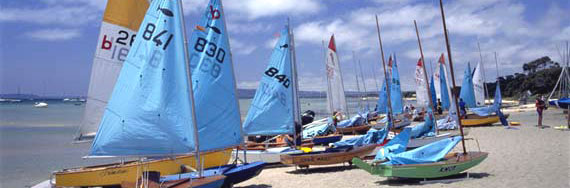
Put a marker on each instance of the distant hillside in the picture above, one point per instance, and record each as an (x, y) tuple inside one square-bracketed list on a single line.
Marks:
[(249, 93)]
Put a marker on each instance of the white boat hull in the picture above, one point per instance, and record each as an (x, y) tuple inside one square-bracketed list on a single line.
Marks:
[(271, 155)]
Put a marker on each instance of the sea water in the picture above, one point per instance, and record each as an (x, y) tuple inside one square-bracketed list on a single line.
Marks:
[(37, 141)]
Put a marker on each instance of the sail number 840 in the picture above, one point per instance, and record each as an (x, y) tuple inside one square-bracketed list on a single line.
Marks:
[(272, 72)]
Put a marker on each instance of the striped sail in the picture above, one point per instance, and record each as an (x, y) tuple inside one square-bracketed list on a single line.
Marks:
[(121, 20), (437, 81), (478, 85), (215, 93), (149, 112), (335, 94), (272, 110)]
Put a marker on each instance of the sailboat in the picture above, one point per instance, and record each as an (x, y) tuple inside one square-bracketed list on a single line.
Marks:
[(117, 23), (429, 161), (216, 100), (562, 84), (485, 115), (275, 108), (396, 101), (336, 99)]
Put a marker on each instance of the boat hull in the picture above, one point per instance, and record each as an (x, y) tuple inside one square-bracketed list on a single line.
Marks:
[(271, 155), (114, 174), (204, 182), (324, 140), (475, 120), (453, 164), (326, 158), (354, 130), (242, 172)]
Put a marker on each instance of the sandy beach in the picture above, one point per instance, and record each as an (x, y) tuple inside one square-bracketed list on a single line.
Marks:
[(522, 157)]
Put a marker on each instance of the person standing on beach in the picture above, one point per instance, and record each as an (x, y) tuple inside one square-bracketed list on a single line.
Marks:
[(439, 108), (540, 105), (462, 108)]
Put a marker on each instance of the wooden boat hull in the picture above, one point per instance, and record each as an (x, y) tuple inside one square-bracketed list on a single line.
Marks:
[(326, 158), (354, 130), (114, 174), (475, 120), (271, 155), (451, 165)]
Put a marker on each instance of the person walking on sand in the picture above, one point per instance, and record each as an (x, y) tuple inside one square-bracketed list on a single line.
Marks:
[(462, 108), (540, 105)]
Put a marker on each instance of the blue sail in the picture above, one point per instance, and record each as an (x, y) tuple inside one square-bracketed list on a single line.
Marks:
[(382, 100), (445, 103), (429, 153), (432, 91), (488, 110), (397, 145), (149, 110), (218, 117), (467, 93), (395, 90), (271, 111)]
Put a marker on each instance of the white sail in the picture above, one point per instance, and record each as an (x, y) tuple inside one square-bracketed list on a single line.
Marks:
[(121, 20), (437, 81), (421, 90), (478, 87), (335, 94)]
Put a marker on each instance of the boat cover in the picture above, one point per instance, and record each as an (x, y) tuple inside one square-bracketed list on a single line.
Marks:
[(373, 136), (358, 119), (319, 130), (397, 145), (447, 123), (430, 153)]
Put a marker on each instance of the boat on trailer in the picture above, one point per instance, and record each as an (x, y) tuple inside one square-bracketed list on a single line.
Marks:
[(327, 157), (453, 163)]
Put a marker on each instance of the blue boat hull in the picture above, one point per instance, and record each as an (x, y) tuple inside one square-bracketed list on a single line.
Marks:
[(561, 103), (243, 172), (326, 139), (234, 173)]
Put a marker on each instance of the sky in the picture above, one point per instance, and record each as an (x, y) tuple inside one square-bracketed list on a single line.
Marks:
[(47, 46)]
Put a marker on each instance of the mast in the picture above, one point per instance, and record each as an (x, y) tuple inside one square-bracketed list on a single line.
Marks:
[(483, 69), (363, 85), (373, 70), (357, 84), (452, 75), (426, 78), (243, 145), (296, 116), (190, 90), (390, 119)]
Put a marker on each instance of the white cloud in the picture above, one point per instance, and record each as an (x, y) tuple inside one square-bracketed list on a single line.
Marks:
[(54, 34), (254, 9), (54, 15), (241, 48), (248, 84), (271, 43)]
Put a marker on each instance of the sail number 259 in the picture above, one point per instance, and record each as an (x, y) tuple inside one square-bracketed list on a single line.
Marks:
[(272, 72)]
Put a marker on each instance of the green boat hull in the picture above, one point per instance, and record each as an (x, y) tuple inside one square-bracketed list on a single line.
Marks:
[(450, 166)]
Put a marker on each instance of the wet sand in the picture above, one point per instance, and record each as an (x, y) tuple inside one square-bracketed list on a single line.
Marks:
[(527, 157)]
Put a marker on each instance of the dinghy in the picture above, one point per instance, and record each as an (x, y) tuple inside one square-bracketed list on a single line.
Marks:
[(122, 18), (275, 108), (429, 161)]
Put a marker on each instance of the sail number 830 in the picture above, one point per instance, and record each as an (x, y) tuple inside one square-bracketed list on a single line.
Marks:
[(272, 72), (211, 49)]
